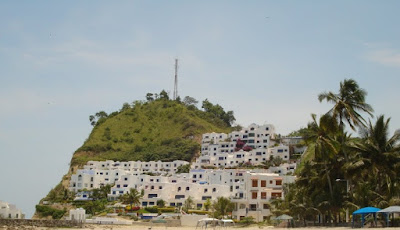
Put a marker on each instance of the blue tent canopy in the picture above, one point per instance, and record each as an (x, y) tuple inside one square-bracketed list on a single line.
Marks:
[(366, 210), (363, 212)]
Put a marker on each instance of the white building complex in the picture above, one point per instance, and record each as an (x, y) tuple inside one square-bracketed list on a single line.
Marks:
[(99, 173), (10, 211), (214, 174)]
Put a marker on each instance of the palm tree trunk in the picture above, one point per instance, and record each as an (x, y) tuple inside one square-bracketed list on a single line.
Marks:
[(329, 180)]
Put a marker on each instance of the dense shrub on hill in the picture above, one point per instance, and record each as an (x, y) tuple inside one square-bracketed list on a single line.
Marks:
[(158, 129)]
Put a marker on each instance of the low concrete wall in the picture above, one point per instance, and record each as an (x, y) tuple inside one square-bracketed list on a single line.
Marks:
[(39, 223), (170, 223)]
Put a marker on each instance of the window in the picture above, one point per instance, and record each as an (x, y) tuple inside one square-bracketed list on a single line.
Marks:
[(152, 196), (276, 195), (263, 195), (214, 190), (278, 182), (263, 183), (205, 190), (254, 183), (187, 188), (205, 197), (254, 195), (253, 207), (179, 196), (179, 189), (160, 187)]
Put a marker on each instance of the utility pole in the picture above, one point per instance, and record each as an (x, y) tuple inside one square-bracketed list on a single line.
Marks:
[(176, 80)]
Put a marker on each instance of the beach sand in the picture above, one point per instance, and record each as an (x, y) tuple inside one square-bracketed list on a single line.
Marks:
[(144, 227)]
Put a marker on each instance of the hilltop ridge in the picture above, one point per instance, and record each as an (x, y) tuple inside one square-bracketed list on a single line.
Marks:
[(159, 129)]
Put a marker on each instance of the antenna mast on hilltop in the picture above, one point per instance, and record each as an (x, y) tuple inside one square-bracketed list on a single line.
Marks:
[(176, 80)]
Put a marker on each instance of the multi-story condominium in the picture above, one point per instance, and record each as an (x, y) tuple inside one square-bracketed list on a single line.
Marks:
[(10, 211), (203, 184), (99, 173), (252, 145)]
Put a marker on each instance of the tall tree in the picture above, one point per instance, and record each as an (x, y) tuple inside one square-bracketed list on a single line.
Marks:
[(380, 155), (348, 103), (323, 147)]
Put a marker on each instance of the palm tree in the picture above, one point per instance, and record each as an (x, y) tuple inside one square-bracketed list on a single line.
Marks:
[(132, 197), (222, 206), (380, 155), (321, 142), (348, 104)]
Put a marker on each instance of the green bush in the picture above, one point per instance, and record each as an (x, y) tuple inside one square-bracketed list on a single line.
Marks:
[(153, 209), (169, 209), (199, 212), (44, 211), (247, 220)]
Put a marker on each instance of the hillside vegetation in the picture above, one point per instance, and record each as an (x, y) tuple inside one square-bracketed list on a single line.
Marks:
[(159, 129)]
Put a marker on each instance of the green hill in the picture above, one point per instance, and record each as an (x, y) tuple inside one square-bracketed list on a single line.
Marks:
[(157, 129), (160, 129)]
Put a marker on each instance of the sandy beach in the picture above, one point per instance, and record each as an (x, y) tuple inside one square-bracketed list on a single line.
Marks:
[(144, 227)]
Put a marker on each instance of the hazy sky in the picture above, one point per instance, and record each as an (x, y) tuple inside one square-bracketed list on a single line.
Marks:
[(266, 60)]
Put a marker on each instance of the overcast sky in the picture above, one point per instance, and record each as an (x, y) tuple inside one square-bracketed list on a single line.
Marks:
[(266, 60)]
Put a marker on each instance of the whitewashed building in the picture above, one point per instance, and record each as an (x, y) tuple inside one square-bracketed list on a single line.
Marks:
[(99, 173), (221, 150), (78, 214), (10, 211), (204, 184)]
